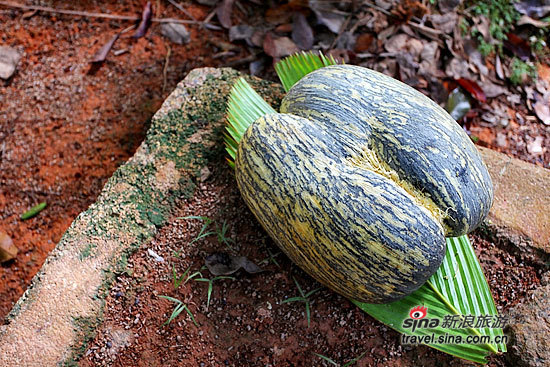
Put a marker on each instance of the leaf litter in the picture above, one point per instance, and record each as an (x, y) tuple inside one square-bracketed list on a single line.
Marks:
[(424, 45)]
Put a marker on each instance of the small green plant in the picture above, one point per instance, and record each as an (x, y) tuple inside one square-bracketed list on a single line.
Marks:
[(202, 233), (221, 233), (180, 306), (520, 71), (538, 40), (304, 297), (178, 279), (485, 48), (501, 15), (211, 285), (350, 363), (271, 258)]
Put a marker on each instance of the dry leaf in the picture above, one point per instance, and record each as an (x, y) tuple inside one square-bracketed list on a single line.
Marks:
[(279, 47), (302, 34), (363, 42), (240, 32), (498, 68), (533, 8), (223, 11), (518, 46), (222, 263), (327, 15), (445, 23), (448, 5), (542, 110), (8, 250), (429, 57), (175, 32), (102, 53), (384, 4), (535, 146), (9, 57), (475, 58), (528, 20), (396, 43), (482, 25), (493, 90), (473, 88), (145, 22)]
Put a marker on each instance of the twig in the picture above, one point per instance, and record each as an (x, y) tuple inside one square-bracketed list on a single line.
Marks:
[(377, 8), (341, 31), (241, 61), (93, 15), (165, 69), (128, 29), (182, 9), (210, 16), (206, 21)]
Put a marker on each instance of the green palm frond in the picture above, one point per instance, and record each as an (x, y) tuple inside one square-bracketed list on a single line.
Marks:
[(457, 288), (295, 67), (244, 107)]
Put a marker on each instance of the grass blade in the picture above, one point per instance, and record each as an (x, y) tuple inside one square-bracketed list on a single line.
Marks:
[(33, 211)]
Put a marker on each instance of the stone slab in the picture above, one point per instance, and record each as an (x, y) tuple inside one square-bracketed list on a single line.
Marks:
[(520, 210), (53, 321), (530, 329)]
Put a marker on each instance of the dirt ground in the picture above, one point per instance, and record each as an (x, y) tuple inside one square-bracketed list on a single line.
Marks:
[(63, 132), (245, 323)]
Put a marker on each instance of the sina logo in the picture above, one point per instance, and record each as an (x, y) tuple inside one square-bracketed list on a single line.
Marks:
[(417, 319), (418, 312)]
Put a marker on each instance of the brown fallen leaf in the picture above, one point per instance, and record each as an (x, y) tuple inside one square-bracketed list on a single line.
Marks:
[(535, 146), (363, 42), (240, 32), (9, 58), (176, 33), (445, 23), (302, 34), (534, 22), (542, 110), (145, 22), (8, 250), (518, 46), (221, 263), (448, 5), (533, 8), (279, 47), (473, 88), (223, 11), (498, 67), (102, 53), (327, 14), (492, 90)]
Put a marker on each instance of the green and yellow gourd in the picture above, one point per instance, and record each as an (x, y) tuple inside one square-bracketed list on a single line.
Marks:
[(359, 180)]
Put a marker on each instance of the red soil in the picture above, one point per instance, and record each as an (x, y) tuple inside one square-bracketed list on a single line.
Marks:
[(63, 131)]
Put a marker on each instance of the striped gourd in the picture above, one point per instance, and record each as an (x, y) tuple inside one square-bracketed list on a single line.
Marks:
[(359, 179)]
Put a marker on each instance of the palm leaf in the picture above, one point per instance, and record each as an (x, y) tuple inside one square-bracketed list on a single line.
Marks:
[(244, 107), (457, 288), (295, 67)]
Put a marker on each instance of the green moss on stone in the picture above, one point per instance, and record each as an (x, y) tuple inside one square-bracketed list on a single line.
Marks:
[(87, 250)]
